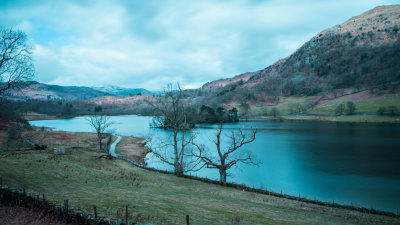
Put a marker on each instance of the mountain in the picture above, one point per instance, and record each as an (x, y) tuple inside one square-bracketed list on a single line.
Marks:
[(120, 91), (362, 53), (40, 91), (224, 82)]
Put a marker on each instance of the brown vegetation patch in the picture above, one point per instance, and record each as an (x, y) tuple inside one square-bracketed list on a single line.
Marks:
[(60, 135), (132, 147), (51, 139), (19, 215)]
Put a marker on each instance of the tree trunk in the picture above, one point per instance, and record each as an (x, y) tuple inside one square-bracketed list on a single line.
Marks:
[(222, 176), (178, 170), (100, 145)]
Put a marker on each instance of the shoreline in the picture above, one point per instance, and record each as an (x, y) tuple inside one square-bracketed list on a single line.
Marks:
[(233, 186), (246, 188), (90, 174), (71, 141), (33, 116), (395, 120), (141, 164), (359, 118), (127, 144), (140, 151)]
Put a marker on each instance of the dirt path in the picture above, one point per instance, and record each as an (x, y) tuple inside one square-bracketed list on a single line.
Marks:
[(113, 145)]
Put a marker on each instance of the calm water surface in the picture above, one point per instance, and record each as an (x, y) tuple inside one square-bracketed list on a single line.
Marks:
[(355, 164)]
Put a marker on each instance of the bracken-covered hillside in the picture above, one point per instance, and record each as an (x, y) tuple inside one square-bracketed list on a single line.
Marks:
[(361, 53)]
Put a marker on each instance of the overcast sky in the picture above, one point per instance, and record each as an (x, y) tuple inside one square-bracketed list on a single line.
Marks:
[(150, 43)]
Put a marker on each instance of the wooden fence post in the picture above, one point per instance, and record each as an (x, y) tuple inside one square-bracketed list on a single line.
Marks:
[(95, 212), (66, 206), (126, 215), (117, 215), (187, 220)]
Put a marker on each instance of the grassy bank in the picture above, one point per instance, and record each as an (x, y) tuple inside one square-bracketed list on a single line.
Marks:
[(344, 118), (31, 116), (71, 141), (365, 103), (86, 180)]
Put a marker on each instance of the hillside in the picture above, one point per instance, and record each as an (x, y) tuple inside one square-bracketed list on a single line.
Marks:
[(120, 91), (40, 91), (46, 92), (362, 53)]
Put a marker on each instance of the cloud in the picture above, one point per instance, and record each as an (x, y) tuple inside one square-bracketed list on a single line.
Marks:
[(149, 43)]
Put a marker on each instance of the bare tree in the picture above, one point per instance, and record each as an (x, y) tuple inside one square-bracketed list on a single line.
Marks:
[(224, 159), (101, 124), (15, 58), (173, 116)]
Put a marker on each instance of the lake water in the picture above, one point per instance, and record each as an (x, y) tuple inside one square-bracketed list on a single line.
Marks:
[(355, 164)]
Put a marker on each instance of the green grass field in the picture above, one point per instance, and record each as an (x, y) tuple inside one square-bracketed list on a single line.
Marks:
[(282, 107), (370, 105), (367, 103), (349, 118), (86, 180)]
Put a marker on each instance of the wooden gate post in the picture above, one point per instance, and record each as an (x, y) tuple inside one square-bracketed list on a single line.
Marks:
[(95, 212), (66, 206), (126, 215)]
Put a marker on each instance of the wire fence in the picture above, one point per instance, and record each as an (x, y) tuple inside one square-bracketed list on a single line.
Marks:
[(19, 197), (271, 193)]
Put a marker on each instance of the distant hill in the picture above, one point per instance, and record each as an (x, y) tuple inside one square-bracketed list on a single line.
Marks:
[(40, 91), (362, 53), (120, 91)]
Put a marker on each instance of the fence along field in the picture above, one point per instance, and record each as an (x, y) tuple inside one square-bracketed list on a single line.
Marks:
[(148, 192)]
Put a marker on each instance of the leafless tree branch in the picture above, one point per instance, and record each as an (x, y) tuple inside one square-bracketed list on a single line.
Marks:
[(15, 59), (172, 111), (101, 124), (224, 159)]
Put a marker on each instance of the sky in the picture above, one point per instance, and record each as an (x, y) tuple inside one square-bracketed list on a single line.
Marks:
[(147, 44)]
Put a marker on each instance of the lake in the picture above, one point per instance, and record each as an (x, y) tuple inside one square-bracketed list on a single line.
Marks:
[(356, 164)]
